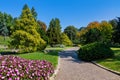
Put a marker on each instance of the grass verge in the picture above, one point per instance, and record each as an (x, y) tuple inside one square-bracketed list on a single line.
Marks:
[(112, 63)]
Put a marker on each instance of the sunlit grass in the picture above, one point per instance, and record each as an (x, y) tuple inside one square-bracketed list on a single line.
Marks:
[(112, 63), (51, 56)]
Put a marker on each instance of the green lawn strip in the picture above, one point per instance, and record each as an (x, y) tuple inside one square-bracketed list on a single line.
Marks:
[(57, 48), (112, 63)]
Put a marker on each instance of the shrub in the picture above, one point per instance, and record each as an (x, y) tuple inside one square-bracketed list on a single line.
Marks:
[(65, 40), (95, 51), (26, 42), (16, 68)]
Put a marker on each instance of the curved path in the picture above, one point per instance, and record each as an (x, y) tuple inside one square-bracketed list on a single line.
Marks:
[(71, 68)]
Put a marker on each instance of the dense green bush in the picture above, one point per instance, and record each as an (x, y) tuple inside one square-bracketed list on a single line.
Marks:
[(65, 40), (26, 42), (95, 51)]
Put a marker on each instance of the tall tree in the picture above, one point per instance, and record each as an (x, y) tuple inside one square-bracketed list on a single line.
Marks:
[(34, 13), (25, 36), (54, 32), (116, 30), (6, 22), (42, 30), (106, 31)]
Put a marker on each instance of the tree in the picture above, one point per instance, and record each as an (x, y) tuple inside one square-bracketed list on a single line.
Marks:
[(94, 24), (81, 28), (65, 40), (95, 31), (42, 25), (6, 22), (116, 30), (34, 13), (54, 32), (25, 36), (71, 32), (106, 31), (42, 30), (92, 35)]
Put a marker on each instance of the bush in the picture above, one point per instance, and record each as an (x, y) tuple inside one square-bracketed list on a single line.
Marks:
[(95, 51), (65, 40), (26, 42), (16, 68)]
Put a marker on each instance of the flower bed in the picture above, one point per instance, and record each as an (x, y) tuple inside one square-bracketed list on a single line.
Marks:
[(16, 68)]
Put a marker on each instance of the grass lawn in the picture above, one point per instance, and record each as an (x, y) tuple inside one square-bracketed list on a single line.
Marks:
[(4, 42), (112, 63)]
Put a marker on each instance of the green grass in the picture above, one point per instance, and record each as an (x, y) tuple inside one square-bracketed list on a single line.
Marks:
[(4, 42), (51, 56), (112, 63)]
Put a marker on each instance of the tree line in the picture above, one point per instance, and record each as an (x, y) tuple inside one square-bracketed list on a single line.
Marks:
[(105, 31), (31, 34), (28, 34)]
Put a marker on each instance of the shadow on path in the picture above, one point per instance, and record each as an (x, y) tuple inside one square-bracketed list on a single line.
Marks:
[(70, 55)]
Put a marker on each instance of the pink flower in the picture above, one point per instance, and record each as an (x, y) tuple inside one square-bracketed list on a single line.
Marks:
[(10, 79)]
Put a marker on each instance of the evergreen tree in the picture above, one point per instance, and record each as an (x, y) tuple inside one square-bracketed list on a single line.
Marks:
[(116, 30), (34, 13), (25, 36), (54, 32), (6, 22)]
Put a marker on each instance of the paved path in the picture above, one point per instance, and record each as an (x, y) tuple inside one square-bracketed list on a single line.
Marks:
[(71, 68)]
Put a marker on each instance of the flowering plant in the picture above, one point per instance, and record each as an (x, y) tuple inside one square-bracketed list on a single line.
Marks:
[(16, 68)]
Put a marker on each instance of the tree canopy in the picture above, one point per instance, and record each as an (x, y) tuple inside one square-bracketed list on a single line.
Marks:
[(54, 32), (71, 32), (96, 31)]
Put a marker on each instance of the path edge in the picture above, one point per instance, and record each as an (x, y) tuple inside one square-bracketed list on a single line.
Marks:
[(57, 68), (115, 72)]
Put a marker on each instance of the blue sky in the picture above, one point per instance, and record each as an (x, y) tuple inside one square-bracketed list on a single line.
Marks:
[(70, 12)]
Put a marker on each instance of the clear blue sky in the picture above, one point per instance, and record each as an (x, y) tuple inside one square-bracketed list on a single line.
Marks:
[(70, 12)]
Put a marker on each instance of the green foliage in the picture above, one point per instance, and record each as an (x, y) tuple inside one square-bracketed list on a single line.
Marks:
[(4, 40), (25, 36), (95, 31), (106, 31), (92, 35), (95, 51), (6, 22), (65, 40), (71, 32), (42, 30), (34, 13), (54, 32), (116, 30)]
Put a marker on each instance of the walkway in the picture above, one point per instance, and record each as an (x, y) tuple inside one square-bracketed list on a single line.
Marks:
[(71, 68)]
